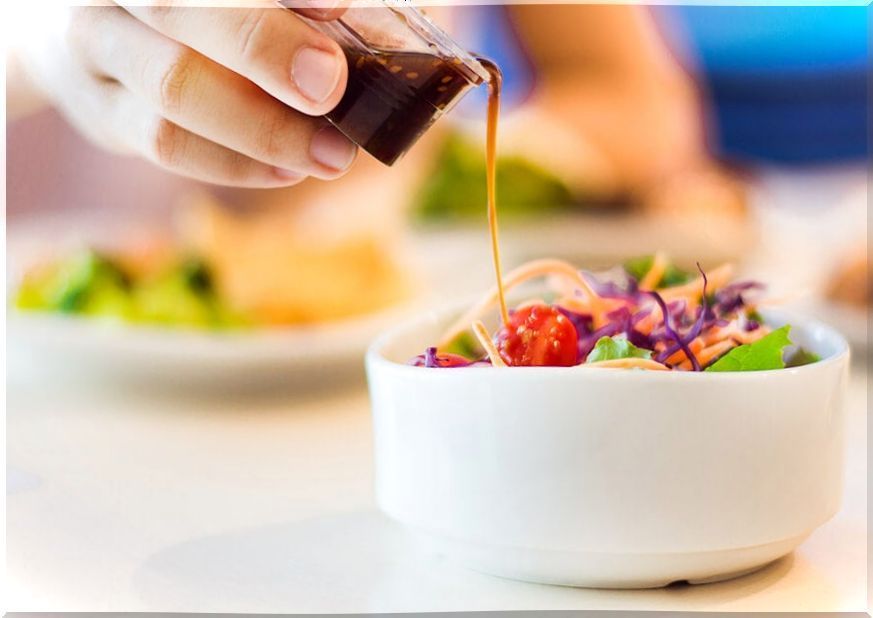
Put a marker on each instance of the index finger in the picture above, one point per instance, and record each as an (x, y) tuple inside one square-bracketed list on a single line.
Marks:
[(272, 47)]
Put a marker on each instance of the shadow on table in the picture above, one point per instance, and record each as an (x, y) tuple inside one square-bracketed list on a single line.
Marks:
[(362, 562)]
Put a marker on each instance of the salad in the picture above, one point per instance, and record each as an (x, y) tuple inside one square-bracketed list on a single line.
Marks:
[(646, 315), (455, 188), (221, 270), (95, 284)]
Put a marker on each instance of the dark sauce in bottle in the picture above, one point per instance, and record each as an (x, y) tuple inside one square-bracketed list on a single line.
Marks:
[(392, 98)]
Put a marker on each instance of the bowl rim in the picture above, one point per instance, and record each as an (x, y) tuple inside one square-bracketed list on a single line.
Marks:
[(375, 357)]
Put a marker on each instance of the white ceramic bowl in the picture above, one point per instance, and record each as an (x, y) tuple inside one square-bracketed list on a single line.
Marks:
[(608, 477)]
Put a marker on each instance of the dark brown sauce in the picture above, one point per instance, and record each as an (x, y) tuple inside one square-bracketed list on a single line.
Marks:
[(391, 99)]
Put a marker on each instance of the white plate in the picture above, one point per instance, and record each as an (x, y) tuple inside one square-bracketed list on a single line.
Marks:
[(115, 352), (123, 354)]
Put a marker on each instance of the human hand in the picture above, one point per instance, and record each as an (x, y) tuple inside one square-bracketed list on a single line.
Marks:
[(226, 95)]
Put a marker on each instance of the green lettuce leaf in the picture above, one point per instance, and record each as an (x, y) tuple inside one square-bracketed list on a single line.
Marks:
[(82, 283), (612, 348), (464, 345), (764, 354)]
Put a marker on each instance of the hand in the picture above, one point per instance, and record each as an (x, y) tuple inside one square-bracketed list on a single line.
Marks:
[(225, 95)]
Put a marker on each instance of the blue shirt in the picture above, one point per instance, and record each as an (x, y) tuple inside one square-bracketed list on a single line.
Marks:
[(782, 84)]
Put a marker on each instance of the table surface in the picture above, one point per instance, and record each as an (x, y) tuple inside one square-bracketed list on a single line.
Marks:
[(118, 500)]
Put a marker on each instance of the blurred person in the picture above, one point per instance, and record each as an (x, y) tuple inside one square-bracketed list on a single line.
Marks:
[(607, 72)]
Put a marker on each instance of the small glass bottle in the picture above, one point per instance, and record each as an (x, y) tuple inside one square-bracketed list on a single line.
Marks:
[(404, 73)]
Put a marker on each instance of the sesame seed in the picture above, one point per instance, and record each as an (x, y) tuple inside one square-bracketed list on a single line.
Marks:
[(412, 75), (396, 68), (447, 79)]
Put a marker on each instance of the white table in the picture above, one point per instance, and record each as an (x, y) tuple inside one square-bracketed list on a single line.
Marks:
[(118, 501)]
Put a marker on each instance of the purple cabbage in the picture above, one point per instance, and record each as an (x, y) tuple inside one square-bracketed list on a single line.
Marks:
[(580, 321), (431, 360), (730, 298), (695, 330), (611, 289), (621, 321), (430, 357)]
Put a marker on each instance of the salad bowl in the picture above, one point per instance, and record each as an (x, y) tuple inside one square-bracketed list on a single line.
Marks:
[(610, 478)]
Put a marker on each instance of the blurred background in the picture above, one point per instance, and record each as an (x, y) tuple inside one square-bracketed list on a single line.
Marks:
[(138, 479), (714, 133)]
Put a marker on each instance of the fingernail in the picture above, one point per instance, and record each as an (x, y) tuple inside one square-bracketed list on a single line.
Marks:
[(316, 73), (287, 175), (332, 149)]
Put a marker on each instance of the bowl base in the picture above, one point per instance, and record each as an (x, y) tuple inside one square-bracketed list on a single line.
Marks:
[(607, 570)]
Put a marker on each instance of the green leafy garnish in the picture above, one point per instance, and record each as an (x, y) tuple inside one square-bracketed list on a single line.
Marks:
[(752, 314), (764, 354), (86, 282), (90, 284), (464, 345), (197, 276), (612, 348), (182, 296), (638, 267)]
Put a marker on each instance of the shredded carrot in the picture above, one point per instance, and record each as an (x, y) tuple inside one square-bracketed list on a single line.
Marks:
[(597, 311), (574, 304), (695, 346), (693, 290), (656, 272), (647, 324), (720, 333), (525, 272), (751, 336), (708, 354), (485, 341)]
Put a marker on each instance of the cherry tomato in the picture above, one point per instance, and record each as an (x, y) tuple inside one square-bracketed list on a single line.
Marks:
[(538, 335)]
